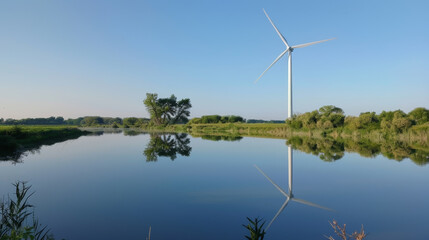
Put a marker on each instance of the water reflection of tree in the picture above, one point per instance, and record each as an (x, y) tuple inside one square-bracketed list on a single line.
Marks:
[(329, 149), (167, 145)]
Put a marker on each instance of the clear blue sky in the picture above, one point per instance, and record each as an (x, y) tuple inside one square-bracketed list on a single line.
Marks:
[(77, 58)]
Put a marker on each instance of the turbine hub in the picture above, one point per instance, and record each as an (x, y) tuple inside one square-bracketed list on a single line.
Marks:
[(290, 49)]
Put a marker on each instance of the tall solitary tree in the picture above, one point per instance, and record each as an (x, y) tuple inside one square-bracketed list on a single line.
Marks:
[(167, 110)]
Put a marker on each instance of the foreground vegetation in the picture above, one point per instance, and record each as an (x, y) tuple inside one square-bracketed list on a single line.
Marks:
[(14, 140), (17, 220)]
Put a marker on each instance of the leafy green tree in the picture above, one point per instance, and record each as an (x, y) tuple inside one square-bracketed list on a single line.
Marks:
[(167, 110), (401, 124), (364, 121), (336, 119), (154, 109), (233, 119), (419, 115), (131, 121), (210, 119), (92, 121), (182, 111), (329, 109)]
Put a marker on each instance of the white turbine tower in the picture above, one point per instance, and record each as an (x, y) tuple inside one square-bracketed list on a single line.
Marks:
[(288, 50), (289, 196)]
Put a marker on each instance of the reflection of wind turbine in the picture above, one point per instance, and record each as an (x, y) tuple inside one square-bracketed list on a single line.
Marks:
[(289, 196), (288, 50)]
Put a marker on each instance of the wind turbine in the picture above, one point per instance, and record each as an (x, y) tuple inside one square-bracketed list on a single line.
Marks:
[(289, 196), (289, 50)]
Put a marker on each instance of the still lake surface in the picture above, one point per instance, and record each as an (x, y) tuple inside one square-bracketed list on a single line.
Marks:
[(114, 186)]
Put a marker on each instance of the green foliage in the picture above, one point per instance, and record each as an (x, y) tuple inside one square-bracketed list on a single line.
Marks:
[(330, 117), (295, 124), (256, 232), (217, 119), (131, 121), (329, 109), (167, 145), (210, 119), (329, 149), (92, 121), (34, 121), (195, 121), (14, 140), (15, 213), (401, 124), (233, 119), (419, 115), (337, 120), (182, 111), (230, 138), (8, 145), (263, 121), (368, 120), (165, 111)]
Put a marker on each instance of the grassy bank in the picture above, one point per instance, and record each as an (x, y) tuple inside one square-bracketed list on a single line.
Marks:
[(16, 139)]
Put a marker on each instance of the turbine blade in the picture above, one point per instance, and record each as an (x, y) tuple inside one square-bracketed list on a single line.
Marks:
[(278, 32), (310, 204), (278, 58), (278, 213), (269, 179), (311, 43)]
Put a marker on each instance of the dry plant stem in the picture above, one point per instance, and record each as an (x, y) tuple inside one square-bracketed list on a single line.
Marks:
[(341, 232)]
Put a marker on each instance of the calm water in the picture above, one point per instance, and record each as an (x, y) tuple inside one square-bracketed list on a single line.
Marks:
[(115, 186)]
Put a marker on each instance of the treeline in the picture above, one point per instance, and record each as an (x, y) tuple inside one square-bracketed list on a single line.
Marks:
[(329, 117), (264, 121), (89, 121), (217, 119), (35, 121)]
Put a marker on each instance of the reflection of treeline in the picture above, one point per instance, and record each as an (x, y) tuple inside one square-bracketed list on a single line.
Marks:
[(167, 145), (330, 117), (330, 149), (216, 119), (230, 138), (15, 140), (89, 121)]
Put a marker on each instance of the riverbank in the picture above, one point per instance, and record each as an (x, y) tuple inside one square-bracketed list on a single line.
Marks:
[(415, 135), (329, 145), (14, 140)]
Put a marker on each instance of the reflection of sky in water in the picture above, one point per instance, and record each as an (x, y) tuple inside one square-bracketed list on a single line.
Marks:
[(103, 188)]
